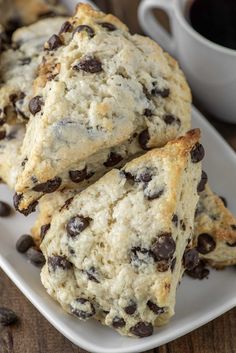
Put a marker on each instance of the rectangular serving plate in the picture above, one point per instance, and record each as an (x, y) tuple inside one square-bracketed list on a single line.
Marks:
[(197, 302)]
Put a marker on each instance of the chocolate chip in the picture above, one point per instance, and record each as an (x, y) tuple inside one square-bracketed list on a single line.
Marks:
[(182, 225), (5, 209), (143, 139), (164, 93), (82, 308), (223, 199), (77, 224), (109, 26), (131, 308), (233, 226), (175, 220), (171, 119), (155, 195), (202, 183), (35, 256), (92, 274), (127, 175), (139, 255), (26, 211), (113, 159), (89, 64), (54, 42), (43, 230), (35, 105), (118, 322), (190, 259), (155, 308), (164, 247), (198, 272), (205, 243), (232, 245), (173, 263), (24, 243), (25, 61), (66, 27), (48, 187), (7, 317), (142, 329), (197, 153), (78, 175), (147, 112), (85, 28), (55, 262), (145, 177)]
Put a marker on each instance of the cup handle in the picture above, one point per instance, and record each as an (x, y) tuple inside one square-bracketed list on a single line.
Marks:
[(151, 25)]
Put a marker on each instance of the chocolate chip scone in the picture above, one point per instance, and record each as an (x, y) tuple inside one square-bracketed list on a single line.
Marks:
[(99, 87), (11, 139), (18, 13), (115, 251), (215, 231), (19, 66)]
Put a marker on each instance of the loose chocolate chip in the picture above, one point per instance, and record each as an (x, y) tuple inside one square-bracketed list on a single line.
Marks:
[(232, 245), (155, 195), (35, 256), (198, 272), (164, 247), (26, 211), (89, 64), (190, 259), (54, 42), (147, 112), (197, 153), (173, 263), (48, 187), (202, 183), (55, 262), (155, 308), (131, 308), (25, 61), (5, 209), (77, 224), (143, 139), (223, 199), (118, 322), (205, 243), (92, 274), (43, 230), (142, 329), (164, 93), (7, 317), (35, 105), (171, 119), (233, 226), (78, 175), (82, 308), (113, 159), (85, 28), (66, 27), (24, 243), (109, 26), (175, 219)]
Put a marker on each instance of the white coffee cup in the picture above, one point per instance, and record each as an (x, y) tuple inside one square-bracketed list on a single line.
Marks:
[(209, 67)]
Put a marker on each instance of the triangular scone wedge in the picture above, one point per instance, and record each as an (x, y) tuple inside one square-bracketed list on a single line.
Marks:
[(215, 230), (115, 251), (100, 90), (10, 159), (19, 67)]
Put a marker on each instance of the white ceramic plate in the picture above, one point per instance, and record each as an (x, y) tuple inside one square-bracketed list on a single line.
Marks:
[(197, 301)]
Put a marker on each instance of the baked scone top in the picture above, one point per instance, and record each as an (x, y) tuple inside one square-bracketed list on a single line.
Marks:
[(98, 86), (115, 250)]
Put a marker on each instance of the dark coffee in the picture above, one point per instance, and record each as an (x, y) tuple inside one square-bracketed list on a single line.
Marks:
[(215, 20)]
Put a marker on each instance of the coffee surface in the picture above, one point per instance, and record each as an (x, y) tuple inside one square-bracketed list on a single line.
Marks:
[(215, 20)]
